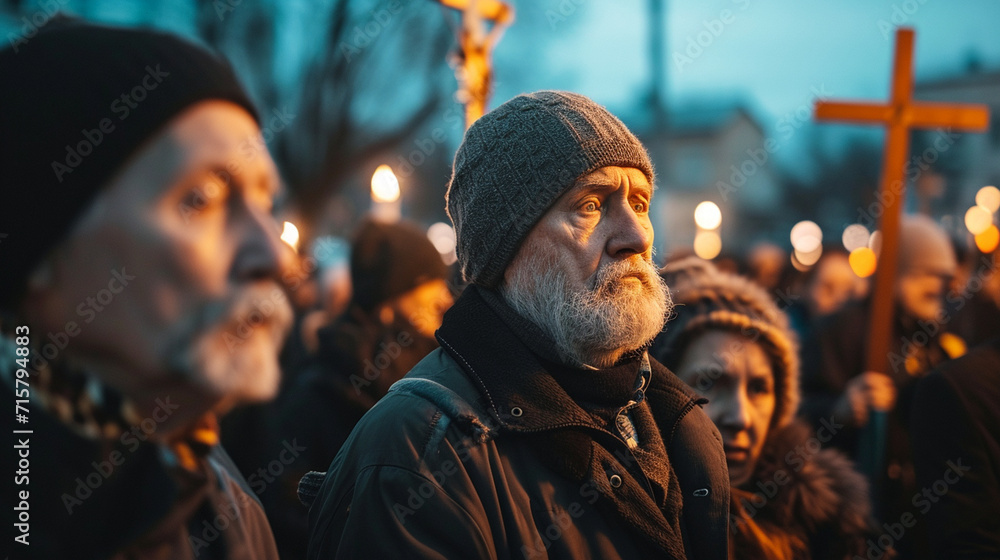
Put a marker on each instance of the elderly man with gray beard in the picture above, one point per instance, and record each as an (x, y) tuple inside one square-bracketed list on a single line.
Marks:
[(540, 428)]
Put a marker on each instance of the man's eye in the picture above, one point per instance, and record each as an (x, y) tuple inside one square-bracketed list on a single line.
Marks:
[(590, 206), (205, 195), (640, 207)]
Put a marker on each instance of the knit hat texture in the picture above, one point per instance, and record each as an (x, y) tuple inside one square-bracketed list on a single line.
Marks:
[(707, 299), (388, 260), (78, 100), (516, 160)]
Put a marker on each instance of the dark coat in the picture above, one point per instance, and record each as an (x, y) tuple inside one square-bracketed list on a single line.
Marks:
[(357, 362), (956, 439), (119, 499), (480, 453)]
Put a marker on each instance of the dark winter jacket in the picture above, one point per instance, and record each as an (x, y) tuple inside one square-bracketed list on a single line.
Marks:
[(480, 453), (809, 502), (357, 363), (837, 355), (92, 499), (956, 443)]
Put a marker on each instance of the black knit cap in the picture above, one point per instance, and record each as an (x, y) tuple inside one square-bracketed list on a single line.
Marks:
[(390, 259), (76, 101)]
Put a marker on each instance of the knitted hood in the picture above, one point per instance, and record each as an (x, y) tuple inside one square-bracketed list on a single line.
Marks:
[(706, 298)]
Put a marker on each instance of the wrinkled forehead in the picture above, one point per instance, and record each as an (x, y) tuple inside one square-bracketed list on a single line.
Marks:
[(212, 137)]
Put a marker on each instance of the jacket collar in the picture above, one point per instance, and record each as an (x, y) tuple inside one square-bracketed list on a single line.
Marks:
[(478, 332), (517, 390)]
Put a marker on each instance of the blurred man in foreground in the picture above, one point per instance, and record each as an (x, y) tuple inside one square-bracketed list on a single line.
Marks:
[(540, 428), (140, 280)]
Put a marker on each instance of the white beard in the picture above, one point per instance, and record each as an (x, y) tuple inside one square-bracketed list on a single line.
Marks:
[(591, 325)]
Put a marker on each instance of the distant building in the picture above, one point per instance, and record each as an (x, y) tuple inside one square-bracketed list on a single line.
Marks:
[(714, 151), (971, 161)]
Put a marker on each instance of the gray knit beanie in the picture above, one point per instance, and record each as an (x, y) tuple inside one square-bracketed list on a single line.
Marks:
[(516, 160), (705, 299)]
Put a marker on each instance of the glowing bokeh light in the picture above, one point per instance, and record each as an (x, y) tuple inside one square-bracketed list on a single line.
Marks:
[(290, 235), (442, 236), (978, 219), (988, 240), (806, 236), (707, 245), (385, 186), (855, 236), (989, 198), (707, 215), (863, 262), (875, 242), (809, 258)]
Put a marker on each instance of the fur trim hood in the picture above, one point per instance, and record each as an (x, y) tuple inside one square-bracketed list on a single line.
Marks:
[(811, 498), (706, 299)]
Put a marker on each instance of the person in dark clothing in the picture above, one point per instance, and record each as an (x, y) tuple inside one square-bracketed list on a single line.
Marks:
[(838, 390), (956, 446), (730, 342), (400, 297), (141, 295), (828, 286), (541, 428), (975, 304)]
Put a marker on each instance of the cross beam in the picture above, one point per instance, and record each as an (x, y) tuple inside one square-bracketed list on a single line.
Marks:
[(899, 116)]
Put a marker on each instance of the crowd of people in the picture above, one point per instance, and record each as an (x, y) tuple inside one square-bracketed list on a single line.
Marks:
[(554, 395)]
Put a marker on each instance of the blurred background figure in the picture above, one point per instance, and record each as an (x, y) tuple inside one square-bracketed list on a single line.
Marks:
[(836, 388), (400, 294), (824, 290), (956, 443), (976, 301), (334, 282), (766, 264), (732, 344)]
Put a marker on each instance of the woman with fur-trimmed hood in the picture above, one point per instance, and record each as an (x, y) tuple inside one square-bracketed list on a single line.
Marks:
[(790, 498)]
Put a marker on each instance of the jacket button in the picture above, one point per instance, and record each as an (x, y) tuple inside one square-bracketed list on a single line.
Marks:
[(701, 492), (615, 480), (516, 411)]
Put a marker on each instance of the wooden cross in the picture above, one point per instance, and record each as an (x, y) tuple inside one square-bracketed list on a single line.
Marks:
[(475, 75), (899, 115)]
